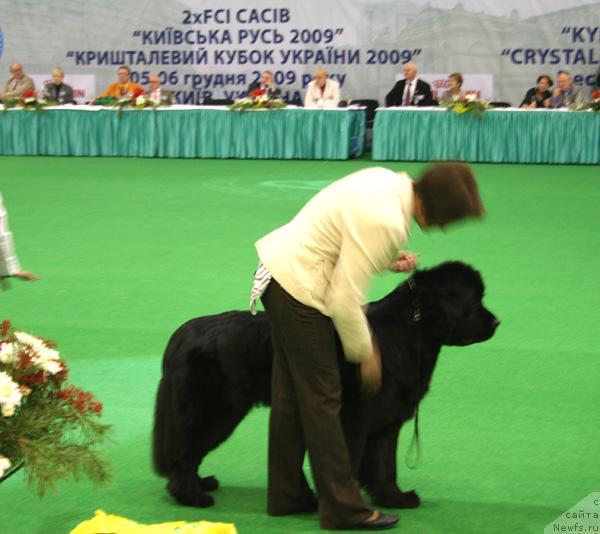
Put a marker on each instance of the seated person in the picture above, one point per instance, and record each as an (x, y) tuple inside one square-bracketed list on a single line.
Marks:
[(265, 83), (538, 96), (455, 81), (410, 91), (566, 93), (57, 91), (124, 87), (17, 84), (157, 93), (322, 92)]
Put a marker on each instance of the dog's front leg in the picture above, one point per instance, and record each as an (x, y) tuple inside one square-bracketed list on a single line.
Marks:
[(378, 470)]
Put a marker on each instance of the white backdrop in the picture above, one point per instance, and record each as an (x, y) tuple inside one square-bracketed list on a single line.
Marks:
[(216, 48)]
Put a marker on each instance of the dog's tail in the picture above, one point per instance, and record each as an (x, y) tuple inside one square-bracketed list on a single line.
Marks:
[(190, 382), (165, 434)]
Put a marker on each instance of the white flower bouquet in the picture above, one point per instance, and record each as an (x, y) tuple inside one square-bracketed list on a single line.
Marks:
[(47, 427)]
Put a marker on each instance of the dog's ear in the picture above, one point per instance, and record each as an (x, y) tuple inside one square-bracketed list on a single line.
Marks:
[(439, 293), (439, 311), (449, 281)]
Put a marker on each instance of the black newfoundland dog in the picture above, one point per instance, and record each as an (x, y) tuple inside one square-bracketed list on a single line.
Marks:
[(216, 368)]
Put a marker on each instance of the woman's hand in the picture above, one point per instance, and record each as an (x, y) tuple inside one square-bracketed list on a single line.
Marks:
[(404, 262), (26, 275)]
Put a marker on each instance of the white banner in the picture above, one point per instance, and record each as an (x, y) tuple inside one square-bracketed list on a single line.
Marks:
[(216, 48)]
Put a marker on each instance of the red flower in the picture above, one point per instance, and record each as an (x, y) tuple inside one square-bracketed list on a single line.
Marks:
[(138, 91), (61, 376), (596, 94), (28, 94), (35, 378), (82, 400), (257, 92), (25, 359), (5, 327)]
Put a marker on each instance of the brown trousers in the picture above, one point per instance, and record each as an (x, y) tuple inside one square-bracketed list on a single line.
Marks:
[(306, 403)]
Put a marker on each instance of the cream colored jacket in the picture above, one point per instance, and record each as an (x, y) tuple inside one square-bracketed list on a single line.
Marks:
[(328, 254), (330, 98)]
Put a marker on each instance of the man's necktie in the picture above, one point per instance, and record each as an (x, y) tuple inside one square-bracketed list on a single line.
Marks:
[(407, 95)]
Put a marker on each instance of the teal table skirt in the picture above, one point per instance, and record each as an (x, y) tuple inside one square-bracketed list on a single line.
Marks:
[(280, 134), (195, 132), (501, 136), (19, 132)]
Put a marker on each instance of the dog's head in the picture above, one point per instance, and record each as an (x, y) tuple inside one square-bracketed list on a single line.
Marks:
[(451, 300)]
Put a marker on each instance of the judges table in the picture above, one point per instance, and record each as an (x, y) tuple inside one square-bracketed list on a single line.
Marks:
[(502, 135), (184, 132)]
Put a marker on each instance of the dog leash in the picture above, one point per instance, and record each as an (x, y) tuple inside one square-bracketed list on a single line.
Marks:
[(413, 454)]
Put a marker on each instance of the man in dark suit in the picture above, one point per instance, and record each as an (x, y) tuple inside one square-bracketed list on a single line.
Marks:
[(57, 91), (266, 84), (411, 91)]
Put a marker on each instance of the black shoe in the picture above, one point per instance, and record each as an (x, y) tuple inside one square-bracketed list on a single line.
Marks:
[(381, 523)]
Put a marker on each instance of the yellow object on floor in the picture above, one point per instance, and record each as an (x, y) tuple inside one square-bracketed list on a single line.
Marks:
[(103, 523)]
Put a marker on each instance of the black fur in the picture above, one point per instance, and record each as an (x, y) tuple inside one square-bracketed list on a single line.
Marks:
[(216, 368)]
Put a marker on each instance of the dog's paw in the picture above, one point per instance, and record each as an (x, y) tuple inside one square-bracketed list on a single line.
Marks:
[(395, 498), (209, 483), (189, 494), (410, 499)]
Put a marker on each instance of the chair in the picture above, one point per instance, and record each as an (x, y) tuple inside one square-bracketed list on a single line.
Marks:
[(501, 104), (217, 102), (371, 106)]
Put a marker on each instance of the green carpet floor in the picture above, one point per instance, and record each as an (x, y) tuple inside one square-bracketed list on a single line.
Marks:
[(128, 249)]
